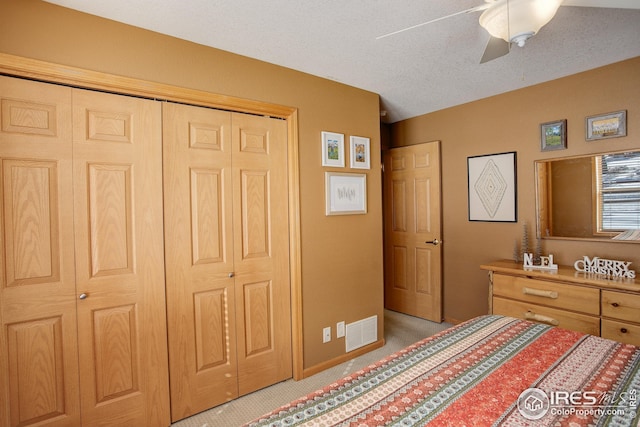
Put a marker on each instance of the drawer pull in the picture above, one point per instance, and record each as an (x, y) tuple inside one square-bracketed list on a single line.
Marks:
[(624, 330), (529, 315), (540, 293), (615, 304)]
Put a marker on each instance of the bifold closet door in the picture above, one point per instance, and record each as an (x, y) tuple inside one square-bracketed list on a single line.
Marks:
[(82, 306), (38, 344), (226, 239), (199, 258), (117, 152), (261, 251)]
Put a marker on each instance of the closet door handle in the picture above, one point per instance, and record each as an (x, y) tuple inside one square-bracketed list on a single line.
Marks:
[(540, 293), (83, 296)]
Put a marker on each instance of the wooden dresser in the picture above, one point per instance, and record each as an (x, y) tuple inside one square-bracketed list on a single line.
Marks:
[(568, 299)]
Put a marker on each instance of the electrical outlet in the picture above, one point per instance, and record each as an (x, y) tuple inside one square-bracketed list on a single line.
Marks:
[(326, 334), (340, 330)]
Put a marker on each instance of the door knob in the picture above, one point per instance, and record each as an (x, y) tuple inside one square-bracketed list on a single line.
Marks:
[(230, 274), (83, 296), (434, 242)]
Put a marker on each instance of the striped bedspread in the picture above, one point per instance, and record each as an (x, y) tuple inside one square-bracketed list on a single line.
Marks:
[(491, 370)]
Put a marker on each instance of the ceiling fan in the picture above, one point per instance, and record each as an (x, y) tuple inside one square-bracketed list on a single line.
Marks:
[(515, 21)]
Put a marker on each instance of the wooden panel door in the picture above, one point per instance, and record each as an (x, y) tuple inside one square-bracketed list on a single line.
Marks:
[(199, 258), (261, 248), (227, 263), (117, 170), (38, 345), (413, 249)]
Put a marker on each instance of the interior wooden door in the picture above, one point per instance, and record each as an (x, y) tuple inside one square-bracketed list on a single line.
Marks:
[(117, 189), (38, 345), (199, 258), (227, 262), (413, 243), (261, 251)]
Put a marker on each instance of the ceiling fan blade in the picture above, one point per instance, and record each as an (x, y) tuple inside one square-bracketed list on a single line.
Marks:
[(614, 4), (496, 48), (473, 9)]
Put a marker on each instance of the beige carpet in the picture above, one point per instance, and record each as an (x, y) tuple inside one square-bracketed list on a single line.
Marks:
[(400, 331)]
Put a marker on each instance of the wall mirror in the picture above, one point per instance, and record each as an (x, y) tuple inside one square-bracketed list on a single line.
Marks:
[(593, 197)]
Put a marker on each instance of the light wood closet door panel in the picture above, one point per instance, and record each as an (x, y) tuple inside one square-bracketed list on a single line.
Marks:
[(199, 258), (261, 233), (38, 345), (226, 239), (119, 259)]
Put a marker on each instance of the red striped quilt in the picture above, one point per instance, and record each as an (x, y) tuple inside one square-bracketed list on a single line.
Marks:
[(489, 371)]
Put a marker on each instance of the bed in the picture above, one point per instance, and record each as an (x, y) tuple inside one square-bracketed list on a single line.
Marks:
[(491, 370)]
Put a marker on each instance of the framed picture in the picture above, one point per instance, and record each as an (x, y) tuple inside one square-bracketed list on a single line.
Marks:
[(553, 135), (360, 153), (610, 125), (332, 149), (492, 187), (345, 193)]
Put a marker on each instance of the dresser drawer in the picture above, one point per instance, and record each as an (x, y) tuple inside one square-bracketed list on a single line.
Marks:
[(560, 295), (620, 331), (547, 315), (621, 305)]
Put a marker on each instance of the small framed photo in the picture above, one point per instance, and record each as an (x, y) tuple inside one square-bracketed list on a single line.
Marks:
[(332, 149), (493, 187), (360, 153), (553, 135), (610, 125), (345, 193)]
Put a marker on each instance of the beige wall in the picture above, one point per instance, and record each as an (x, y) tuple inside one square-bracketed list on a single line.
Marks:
[(511, 122), (341, 255)]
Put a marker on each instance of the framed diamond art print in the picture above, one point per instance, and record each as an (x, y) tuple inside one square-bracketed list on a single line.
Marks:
[(492, 187)]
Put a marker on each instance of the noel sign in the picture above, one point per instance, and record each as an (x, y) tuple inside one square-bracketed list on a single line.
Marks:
[(546, 262), (607, 267)]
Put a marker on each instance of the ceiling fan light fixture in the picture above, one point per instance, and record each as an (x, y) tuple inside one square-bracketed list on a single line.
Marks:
[(520, 39), (516, 20)]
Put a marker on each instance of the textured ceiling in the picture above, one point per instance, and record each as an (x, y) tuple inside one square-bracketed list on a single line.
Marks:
[(415, 72)]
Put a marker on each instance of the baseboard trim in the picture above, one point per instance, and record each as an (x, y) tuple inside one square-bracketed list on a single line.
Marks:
[(307, 372), (452, 320)]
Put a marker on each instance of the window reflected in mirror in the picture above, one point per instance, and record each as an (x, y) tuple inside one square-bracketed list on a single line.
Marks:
[(617, 186)]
